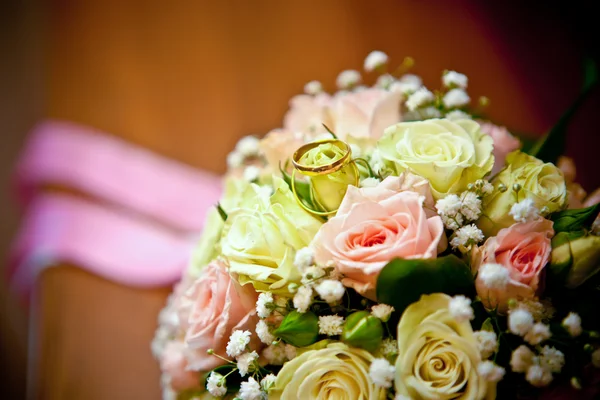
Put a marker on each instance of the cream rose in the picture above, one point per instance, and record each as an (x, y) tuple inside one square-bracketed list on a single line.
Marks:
[(210, 310), (375, 225), (363, 114), (450, 154), (437, 355), (334, 372), (524, 250), (541, 182), (260, 238)]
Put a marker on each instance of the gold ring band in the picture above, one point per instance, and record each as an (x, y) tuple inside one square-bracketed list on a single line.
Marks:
[(322, 169)]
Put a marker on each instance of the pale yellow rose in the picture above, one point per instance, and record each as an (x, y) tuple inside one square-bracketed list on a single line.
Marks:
[(450, 154), (334, 372), (541, 182), (261, 237), (437, 355), (207, 248)]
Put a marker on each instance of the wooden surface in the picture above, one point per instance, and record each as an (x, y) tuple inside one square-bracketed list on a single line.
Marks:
[(188, 78)]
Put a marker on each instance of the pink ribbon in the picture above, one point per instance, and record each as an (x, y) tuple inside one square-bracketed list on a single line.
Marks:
[(142, 235), (115, 171)]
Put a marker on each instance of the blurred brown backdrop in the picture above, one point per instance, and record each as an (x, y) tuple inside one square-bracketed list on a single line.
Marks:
[(187, 78)]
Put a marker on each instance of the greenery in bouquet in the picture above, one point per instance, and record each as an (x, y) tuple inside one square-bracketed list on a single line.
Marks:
[(389, 243)]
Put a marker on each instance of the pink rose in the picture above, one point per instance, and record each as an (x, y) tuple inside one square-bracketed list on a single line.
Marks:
[(524, 249), (174, 364), (375, 225), (365, 114), (210, 310), (504, 143), (307, 114), (279, 146), (362, 114)]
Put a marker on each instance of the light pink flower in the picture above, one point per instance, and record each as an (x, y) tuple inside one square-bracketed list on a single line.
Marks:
[(174, 364), (504, 143), (363, 114), (375, 225), (279, 146), (524, 250), (213, 307)]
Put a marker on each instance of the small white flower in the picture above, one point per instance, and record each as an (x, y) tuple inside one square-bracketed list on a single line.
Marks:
[(369, 182), (419, 98), (460, 308), (330, 325), (347, 79), (251, 173), (538, 333), (429, 112), (466, 236), (539, 311), (267, 382), (245, 363), (389, 347), (572, 323), (487, 342), (470, 206), (520, 322), (274, 354), (552, 359), (382, 373), (382, 311), (457, 114), (538, 376), (484, 186), (374, 60), (235, 159), (355, 150), (524, 211), (453, 223), (305, 257), (216, 384), (456, 98), (377, 162), (313, 87), (312, 274), (408, 83), (250, 390), (490, 371), (248, 146), (360, 88), (384, 81), (402, 397), (596, 358), (237, 343), (331, 291), (263, 304), (449, 205), (303, 299), (494, 276), (263, 333), (521, 359), (455, 79)]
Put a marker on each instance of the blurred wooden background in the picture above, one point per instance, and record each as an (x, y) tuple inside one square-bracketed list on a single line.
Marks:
[(187, 79)]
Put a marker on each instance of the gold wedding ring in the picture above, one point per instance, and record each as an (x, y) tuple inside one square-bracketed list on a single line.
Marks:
[(345, 160)]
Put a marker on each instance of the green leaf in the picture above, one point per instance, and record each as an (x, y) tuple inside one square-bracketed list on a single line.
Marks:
[(551, 146), (487, 325), (222, 212), (402, 282), (575, 220)]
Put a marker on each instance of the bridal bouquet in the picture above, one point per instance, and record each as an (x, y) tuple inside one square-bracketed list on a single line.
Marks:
[(389, 243)]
